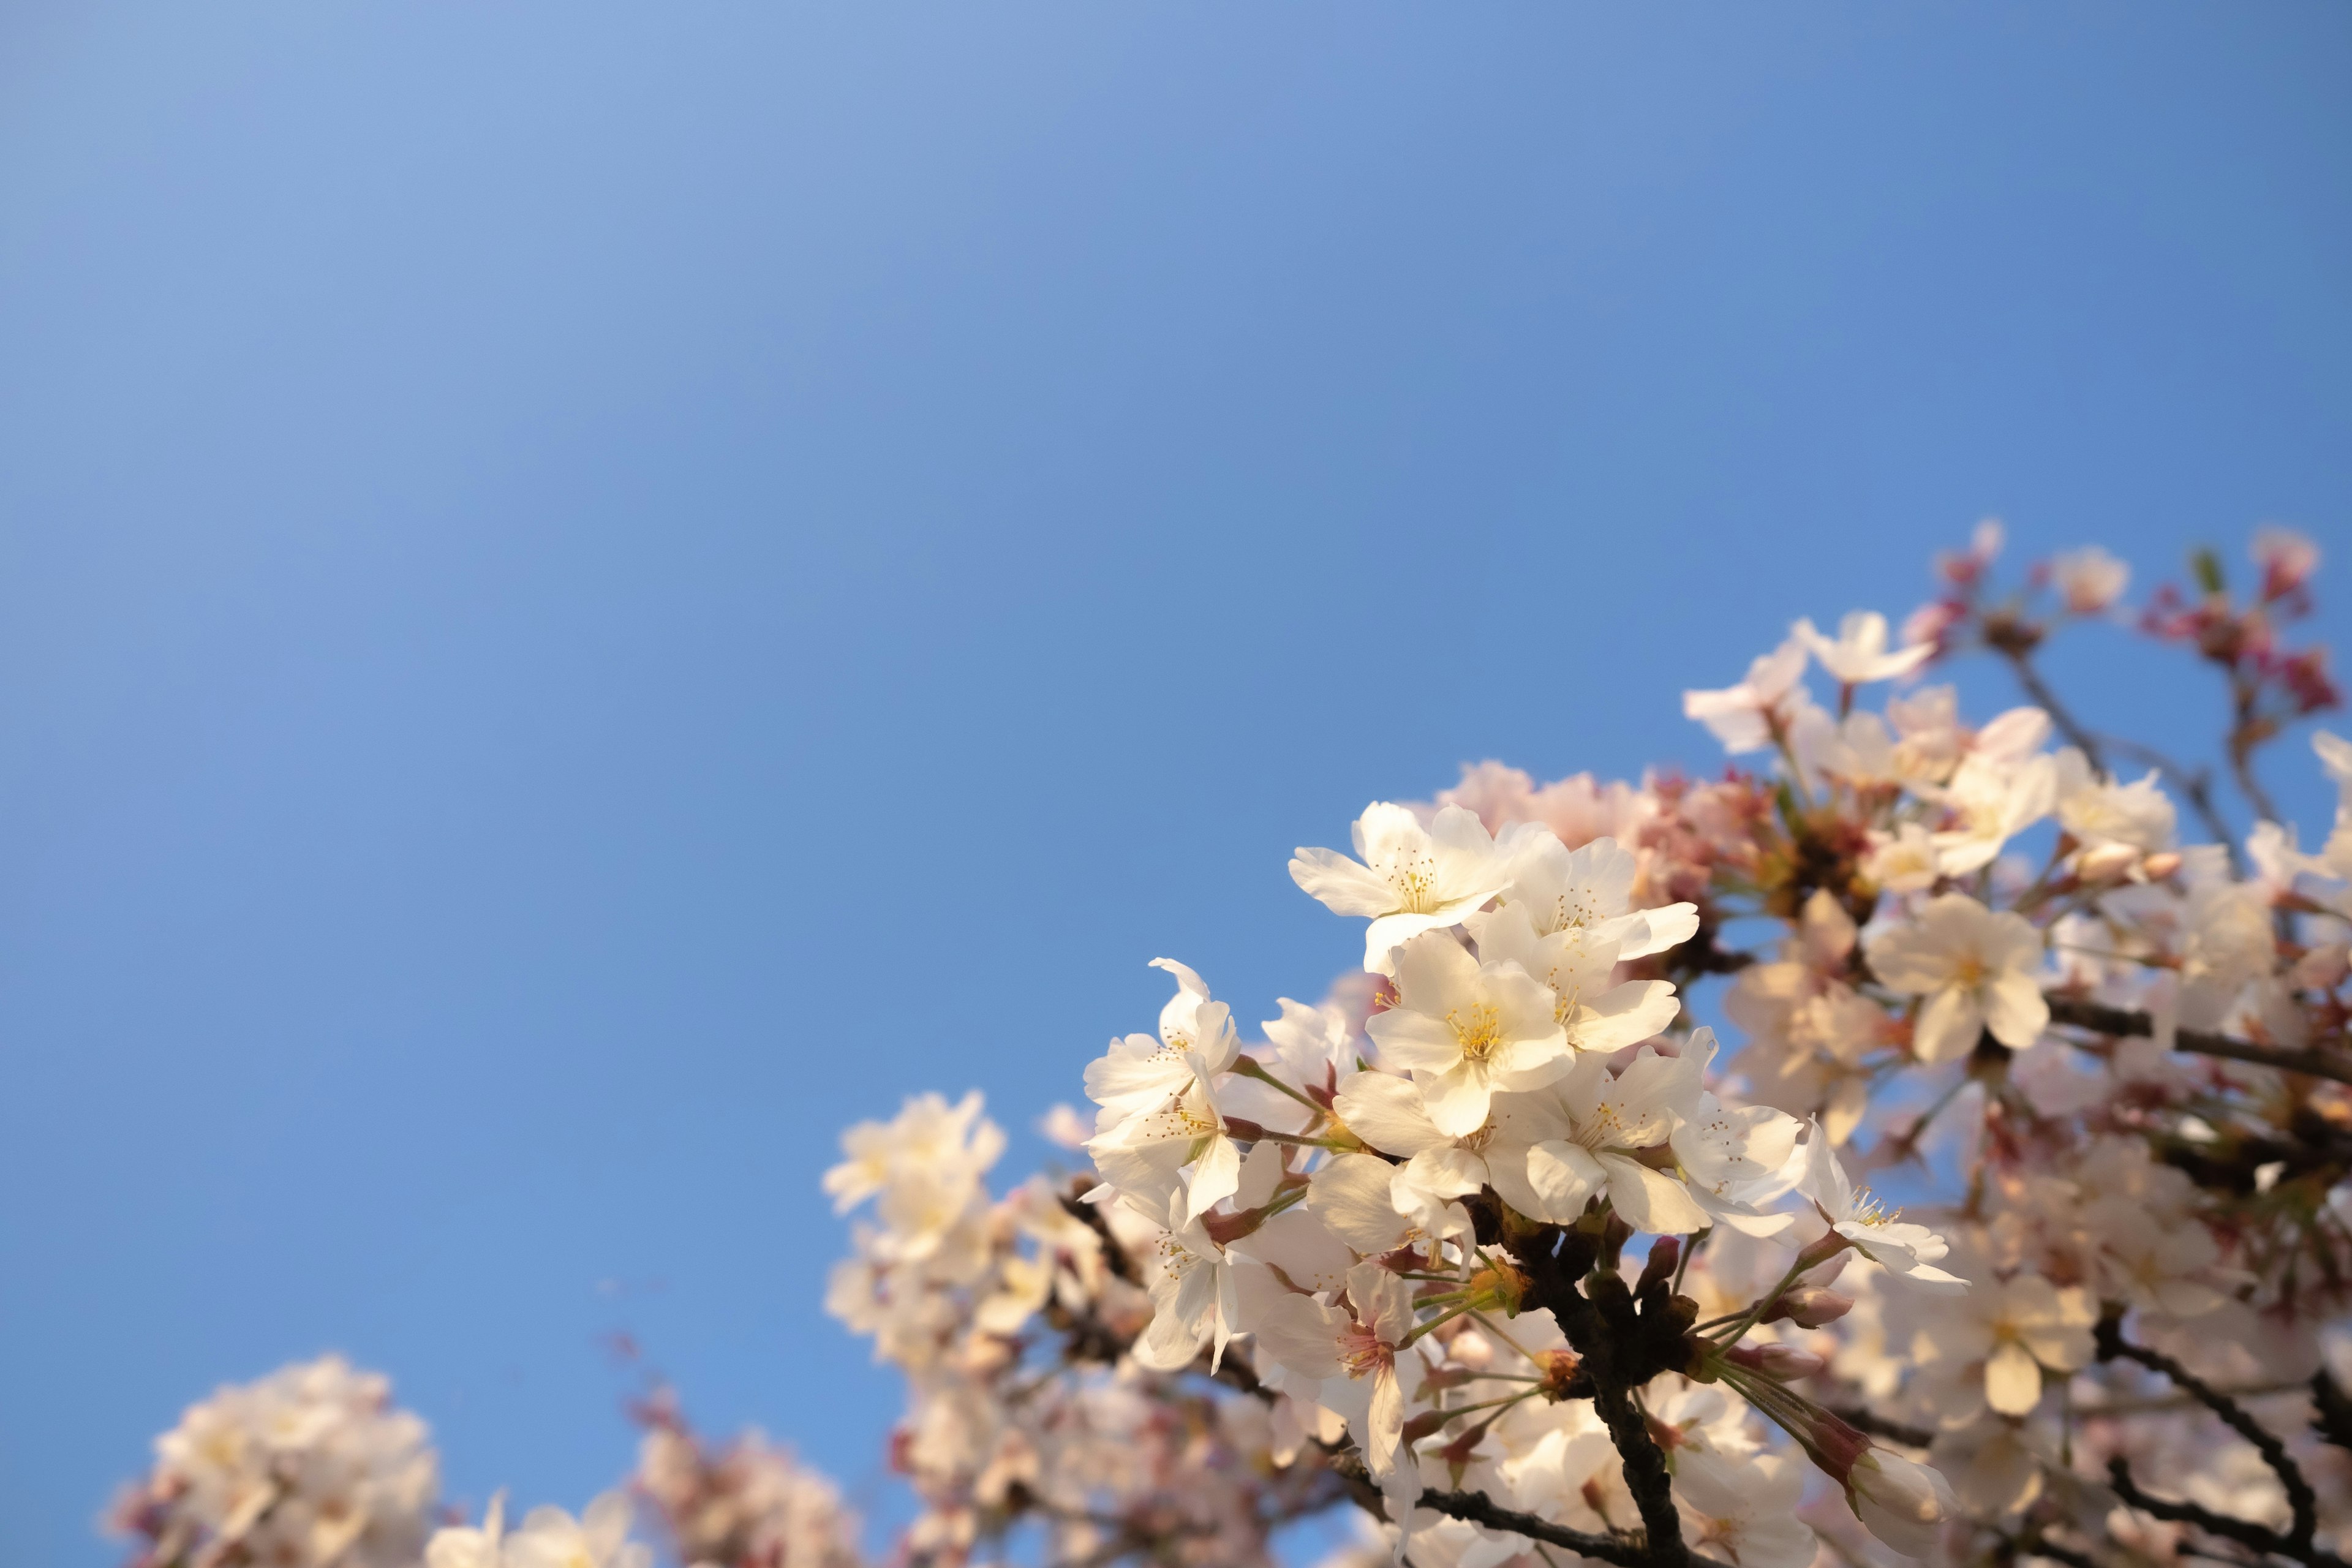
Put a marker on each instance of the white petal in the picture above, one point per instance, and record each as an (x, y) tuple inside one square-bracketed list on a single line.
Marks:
[(1387, 1112), (1350, 1196), (1651, 1200), (2012, 1380)]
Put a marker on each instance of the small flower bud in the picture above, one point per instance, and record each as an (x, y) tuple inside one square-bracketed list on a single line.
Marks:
[(1421, 1425), (2107, 862), (1781, 1362), (1835, 1446), (1810, 1307), (1500, 1289), (2286, 558)]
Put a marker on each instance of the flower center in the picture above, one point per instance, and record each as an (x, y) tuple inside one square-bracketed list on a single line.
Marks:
[(1416, 887), (1867, 1210), (1478, 1030), (1360, 1351), (1573, 911)]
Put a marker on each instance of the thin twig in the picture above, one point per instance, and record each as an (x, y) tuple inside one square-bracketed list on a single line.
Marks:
[(2021, 662), (2256, 1537), (2246, 737), (2302, 1501), (1114, 1255), (2197, 785), (2103, 1019), (1477, 1508), (2332, 1409), (2039, 1545)]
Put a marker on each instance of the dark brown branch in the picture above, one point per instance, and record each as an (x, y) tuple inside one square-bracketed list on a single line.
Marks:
[(2255, 1537), (1621, 1343), (2246, 737), (2040, 1545), (2332, 1418), (1626, 1551), (1114, 1255), (2302, 1501), (2103, 1019)]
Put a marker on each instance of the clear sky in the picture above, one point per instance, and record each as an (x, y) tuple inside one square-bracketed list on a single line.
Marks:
[(588, 592)]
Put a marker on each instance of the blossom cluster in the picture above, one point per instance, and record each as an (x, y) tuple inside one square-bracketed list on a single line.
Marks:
[(1500, 1246), (311, 1467)]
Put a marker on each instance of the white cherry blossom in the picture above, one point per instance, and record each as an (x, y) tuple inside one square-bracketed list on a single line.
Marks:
[(599, 1537), (1408, 879), (1589, 890), (1995, 798), (1745, 1510), (1974, 970), (1591, 1135), (2088, 579), (1858, 656), (1745, 717), (1596, 1012), (1907, 1252), (1139, 1073), (1353, 1351), (1466, 1030)]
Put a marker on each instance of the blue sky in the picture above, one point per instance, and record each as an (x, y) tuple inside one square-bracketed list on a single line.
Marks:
[(589, 593)]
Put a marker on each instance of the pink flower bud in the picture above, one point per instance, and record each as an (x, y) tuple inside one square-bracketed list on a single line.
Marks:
[(2288, 559), (1810, 1307), (1835, 1447), (1781, 1362)]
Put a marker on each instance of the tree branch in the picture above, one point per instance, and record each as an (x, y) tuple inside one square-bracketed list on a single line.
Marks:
[(2100, 1018), (2196, 785), (2258, 1538), (1477, 1508), (1114, 1255), (2302, 1501), (2036, 1544), (2332, 1409), (1605, 1332), (2021, 660)]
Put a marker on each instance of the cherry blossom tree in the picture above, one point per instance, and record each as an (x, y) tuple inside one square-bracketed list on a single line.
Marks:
[(1499, 1252)]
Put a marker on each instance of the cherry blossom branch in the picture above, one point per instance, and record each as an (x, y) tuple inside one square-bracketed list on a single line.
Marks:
[(1622, 1342), (2036, 1544), (1479, 1508), (2247, 734), (2302, 1501), (1114, 1255), (2332, 1417), (2196, 786), (2100, 1018), (2260, 1538), (2020, 663)]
